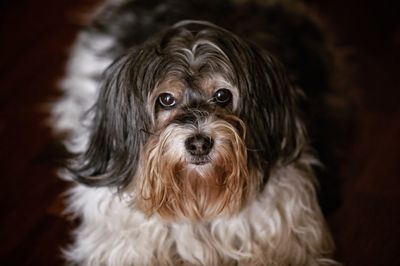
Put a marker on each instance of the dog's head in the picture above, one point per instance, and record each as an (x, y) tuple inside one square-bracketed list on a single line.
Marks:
[(191, 122)]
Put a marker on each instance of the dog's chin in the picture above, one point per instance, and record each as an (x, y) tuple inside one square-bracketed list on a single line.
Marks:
[(196, 188)]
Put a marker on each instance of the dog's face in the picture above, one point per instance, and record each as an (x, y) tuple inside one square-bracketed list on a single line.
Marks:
[(195, 163), (191, 123)]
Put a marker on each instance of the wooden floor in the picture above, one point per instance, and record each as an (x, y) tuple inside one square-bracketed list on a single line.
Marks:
[(36, 36)]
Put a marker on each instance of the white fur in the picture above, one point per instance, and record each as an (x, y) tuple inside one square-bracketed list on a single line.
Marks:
[(283, 226), (80, 89)]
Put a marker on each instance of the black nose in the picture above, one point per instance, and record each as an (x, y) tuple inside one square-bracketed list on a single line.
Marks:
[(199, 145)]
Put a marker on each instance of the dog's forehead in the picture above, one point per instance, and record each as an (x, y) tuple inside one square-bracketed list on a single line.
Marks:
[(192, 67)]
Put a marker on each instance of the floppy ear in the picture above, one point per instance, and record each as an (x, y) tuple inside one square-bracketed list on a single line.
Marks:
[(270, 109), (119, 126)]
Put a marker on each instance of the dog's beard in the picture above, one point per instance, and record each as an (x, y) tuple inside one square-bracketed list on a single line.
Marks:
[(174, 188)]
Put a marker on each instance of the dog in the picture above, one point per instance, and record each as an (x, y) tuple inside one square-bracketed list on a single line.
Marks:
[(189, 145)]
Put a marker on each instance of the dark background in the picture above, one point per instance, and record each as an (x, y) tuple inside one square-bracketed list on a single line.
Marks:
[(35, 37)]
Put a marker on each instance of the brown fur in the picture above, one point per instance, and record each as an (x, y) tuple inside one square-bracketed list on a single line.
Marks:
[(174, 189)]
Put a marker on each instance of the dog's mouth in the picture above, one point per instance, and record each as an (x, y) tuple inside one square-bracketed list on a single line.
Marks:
[(199, 160)]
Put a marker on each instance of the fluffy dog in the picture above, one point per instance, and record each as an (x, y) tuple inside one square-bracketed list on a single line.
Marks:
[(188, 140)]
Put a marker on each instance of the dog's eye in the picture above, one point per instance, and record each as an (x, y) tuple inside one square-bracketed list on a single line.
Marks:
[(222, 96), (167, 100)]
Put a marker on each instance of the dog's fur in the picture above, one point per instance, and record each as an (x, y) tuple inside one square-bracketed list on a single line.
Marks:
[(142, 196)]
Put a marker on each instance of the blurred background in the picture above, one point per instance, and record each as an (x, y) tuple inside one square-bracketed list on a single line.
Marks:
[(35, 38)]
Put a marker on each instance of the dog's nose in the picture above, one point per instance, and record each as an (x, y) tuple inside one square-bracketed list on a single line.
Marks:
[(199, 145)]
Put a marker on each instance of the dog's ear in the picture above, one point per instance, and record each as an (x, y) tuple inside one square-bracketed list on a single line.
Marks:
[(269, 105), (120, 124)]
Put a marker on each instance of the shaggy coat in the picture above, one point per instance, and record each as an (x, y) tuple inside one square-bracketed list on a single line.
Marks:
[(142, 86)]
